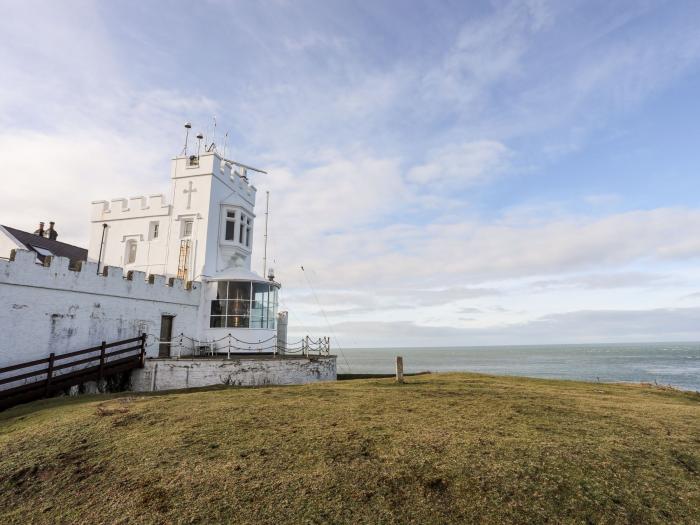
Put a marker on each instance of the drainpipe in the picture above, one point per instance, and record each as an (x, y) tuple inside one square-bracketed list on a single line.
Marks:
[(102, 242)]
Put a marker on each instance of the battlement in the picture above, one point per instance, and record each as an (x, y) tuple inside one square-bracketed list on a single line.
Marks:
[(55, 274), (211, 163), (134, 207)]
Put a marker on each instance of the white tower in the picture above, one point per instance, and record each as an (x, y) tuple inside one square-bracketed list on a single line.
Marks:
[(205, 235)]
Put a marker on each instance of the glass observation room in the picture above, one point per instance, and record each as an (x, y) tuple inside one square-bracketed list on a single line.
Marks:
[(244, 304)]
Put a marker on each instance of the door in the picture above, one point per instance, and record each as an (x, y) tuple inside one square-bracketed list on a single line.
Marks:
[(166, 334)]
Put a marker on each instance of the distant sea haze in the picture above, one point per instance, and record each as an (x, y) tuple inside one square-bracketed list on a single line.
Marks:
[(674, 364)]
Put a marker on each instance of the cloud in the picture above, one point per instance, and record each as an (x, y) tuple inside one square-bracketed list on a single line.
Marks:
[(600, 281), (584, 326), (461, 165)]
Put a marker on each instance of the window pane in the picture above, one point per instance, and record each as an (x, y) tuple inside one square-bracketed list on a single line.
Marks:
[(218, 308), (236, 322), (239, 290), (238, 307), (222, 290), (231, 214), (230, 230), (217, 322)]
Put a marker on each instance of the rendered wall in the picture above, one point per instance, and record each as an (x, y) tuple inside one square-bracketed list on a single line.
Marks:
[(170, 374), (54, 309)]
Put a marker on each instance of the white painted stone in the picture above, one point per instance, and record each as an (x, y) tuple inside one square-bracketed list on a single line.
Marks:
[(54, 309), (168, 374)]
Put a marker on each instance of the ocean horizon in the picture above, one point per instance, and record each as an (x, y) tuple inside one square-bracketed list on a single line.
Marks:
[(675, 364)]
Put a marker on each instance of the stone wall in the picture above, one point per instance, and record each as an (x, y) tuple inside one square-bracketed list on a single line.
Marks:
[(170, 374), (51, 308)]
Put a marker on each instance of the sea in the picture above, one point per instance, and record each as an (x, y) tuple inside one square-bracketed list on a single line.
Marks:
[(674, 364)]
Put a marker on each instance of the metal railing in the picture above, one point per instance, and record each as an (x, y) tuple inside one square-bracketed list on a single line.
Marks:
[(230, 344)]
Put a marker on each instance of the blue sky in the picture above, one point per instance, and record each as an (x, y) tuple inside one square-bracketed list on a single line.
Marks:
[(447, 172)]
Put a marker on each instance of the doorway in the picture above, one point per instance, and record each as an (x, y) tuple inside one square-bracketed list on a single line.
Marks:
[(166, 334)]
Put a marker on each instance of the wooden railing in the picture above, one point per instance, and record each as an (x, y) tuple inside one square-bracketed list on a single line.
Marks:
[(59, 372)]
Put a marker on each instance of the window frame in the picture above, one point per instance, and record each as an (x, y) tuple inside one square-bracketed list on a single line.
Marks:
[(154, 230), (132, 248), (183, 233), (238, 311), (242, 225)]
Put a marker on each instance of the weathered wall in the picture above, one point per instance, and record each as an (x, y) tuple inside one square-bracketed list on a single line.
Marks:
[(54, 309), (170, 374)]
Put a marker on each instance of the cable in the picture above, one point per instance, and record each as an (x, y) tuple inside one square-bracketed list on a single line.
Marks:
[(313, 291)]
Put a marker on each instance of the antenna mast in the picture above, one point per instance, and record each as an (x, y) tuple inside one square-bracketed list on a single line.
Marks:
[(267, 214)]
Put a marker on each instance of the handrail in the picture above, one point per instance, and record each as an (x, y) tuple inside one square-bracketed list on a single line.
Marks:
[(98, 364)]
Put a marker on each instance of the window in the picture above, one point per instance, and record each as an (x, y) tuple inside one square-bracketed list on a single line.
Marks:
[(153, 230), (187, 228), (131, 248), (242, 304), (247, 232), (230, 230)]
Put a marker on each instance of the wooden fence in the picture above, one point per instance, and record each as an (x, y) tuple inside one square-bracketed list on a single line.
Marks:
[(58, 372)]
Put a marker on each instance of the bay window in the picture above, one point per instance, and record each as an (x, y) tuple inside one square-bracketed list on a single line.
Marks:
[(244, 304)]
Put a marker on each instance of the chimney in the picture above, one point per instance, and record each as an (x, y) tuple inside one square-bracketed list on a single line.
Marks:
[(40, 231), (52, 234)]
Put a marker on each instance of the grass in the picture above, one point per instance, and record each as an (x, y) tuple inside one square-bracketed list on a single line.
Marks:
[(448, 448)]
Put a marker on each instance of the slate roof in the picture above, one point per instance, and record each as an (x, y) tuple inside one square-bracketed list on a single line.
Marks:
[(57, 248)]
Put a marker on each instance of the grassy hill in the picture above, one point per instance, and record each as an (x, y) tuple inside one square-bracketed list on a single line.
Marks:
[(453, 448)]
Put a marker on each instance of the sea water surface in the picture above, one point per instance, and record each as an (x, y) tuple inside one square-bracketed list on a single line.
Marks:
[(674, 364)]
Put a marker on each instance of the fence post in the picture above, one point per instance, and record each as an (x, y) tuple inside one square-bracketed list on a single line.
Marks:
[(103, 348), (142, 357), (307, 346), (49, 373), (399, 369)]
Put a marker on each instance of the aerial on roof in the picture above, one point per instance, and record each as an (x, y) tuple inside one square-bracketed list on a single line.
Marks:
[(44, 247)]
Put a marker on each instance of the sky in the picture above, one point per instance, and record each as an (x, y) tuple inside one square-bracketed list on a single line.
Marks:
[(446, 173)]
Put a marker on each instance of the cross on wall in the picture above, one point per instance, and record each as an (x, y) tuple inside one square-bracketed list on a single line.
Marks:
[(189, 190)]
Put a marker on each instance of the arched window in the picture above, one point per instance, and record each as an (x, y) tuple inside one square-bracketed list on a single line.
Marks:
[(130, 255)]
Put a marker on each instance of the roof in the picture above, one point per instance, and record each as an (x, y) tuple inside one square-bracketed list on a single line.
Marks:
[(237, 274), (42, 245)]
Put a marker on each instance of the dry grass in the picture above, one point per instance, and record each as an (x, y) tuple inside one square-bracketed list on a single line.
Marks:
[(453, 448)]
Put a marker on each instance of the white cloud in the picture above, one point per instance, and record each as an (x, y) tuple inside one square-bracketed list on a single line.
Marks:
[(584, 326), (461, 165)]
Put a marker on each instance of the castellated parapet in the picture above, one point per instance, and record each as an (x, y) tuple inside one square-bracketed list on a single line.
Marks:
[(134, 207), (53, 308), (22, 270)]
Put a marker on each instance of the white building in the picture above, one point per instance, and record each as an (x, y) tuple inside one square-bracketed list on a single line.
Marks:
[(175, 267), (204, 233)]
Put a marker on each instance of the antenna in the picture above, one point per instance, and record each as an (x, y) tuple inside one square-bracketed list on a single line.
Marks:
[(244, 166), (199, 143), (225, 142), (188, 126), (267, 215)]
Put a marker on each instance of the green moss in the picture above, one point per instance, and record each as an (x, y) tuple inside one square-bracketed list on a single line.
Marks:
[(450, 448)]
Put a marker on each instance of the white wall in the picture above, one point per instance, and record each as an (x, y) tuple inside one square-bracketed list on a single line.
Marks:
[(54, 309), (170, 374), (197, 193)]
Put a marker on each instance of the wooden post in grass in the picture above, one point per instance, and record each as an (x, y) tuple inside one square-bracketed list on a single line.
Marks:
[(399, 369)]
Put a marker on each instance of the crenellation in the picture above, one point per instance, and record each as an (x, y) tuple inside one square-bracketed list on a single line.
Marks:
[(137, 203), (115, 272), (118, 205), (59, 264), (121, 208), (21, 268)]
